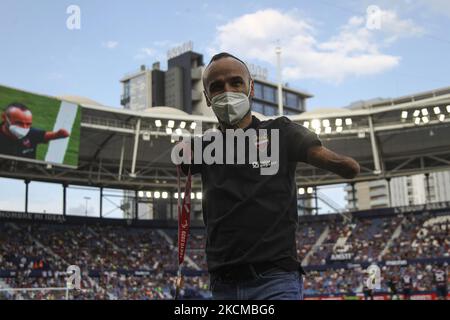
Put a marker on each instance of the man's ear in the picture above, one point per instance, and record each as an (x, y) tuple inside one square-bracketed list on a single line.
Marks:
[(208, 102), (252, 89)]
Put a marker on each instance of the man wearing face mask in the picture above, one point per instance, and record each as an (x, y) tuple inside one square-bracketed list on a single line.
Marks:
[(17, 136), (251, 219)]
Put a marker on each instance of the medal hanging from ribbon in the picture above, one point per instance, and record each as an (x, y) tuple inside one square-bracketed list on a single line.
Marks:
[(184, 220)]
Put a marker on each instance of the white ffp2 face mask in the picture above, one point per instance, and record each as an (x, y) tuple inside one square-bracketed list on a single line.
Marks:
[(17, 131), (231, 107)]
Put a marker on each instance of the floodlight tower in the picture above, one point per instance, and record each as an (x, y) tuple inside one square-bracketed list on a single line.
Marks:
[(280, 80), (86, 210)]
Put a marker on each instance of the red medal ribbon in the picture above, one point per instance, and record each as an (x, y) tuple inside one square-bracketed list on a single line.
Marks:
[(184, 221), (184, 214)]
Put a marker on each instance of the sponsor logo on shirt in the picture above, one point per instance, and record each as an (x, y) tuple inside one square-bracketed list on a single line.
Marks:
[(27, 143), (263, 164), (262, 142)]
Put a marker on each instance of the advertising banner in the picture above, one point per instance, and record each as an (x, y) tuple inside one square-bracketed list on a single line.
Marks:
[(38, 128)]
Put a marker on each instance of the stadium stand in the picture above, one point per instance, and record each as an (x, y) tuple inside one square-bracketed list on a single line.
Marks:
[(137, 262)]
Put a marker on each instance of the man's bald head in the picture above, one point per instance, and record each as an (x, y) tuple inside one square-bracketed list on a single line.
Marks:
[(226, 72)]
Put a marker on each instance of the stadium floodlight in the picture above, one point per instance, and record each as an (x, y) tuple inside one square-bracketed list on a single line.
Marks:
[(141, 194), (171, 123), (441, 117), (179, 132), (404, 114), (158, 123), (348, 121), (168, 130), (425, 119), (318, 130), (328, 130), (437, 110), (326, 123), (182, 124), (339, 129), (448, 108), (193, 125), (338, 122), (164, 195), (199, 195), (301, 191), (309, 190), (424, 111), (315, 124), (148, 194), (417, 120), (416, 113), (146, 136), (306, 124), (175, 195), (157, 194), (182, 195), (192, 195)]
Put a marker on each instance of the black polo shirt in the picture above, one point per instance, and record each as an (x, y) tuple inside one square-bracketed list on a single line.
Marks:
[(250, 217), (25, 147)]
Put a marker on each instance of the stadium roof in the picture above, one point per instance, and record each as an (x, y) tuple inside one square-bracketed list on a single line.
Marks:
[(79, 100), (127, 149), (379, 102)]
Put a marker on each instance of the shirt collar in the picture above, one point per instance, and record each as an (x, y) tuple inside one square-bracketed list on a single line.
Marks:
[(254, 124)]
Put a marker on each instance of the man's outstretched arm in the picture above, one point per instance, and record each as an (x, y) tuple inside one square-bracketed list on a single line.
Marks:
[(326, 159), (53, 135)]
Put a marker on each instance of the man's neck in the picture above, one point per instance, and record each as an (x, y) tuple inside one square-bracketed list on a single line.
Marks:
[(244, 123)]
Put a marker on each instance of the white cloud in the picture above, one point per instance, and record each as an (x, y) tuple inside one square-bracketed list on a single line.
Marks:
[(395, 28), (144, 53), (110, 44), (353, 51)]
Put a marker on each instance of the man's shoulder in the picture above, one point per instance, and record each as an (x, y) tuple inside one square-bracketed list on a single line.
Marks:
[(34, 130), (36, 133), (275, 123)]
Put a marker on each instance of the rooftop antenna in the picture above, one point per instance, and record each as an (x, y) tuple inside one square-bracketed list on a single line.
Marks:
[(280, 80)]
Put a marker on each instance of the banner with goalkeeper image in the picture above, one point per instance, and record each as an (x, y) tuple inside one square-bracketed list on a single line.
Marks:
[(38, 128)]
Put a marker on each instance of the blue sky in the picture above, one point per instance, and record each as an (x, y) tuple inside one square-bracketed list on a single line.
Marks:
[(327, 48), (41, 54)]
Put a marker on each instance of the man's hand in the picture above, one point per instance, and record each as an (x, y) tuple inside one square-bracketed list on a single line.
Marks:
[(60, 134), (326, 159)]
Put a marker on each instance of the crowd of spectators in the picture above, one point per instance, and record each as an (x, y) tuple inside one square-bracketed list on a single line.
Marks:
[(337, 230), (109, 256), (423, 236), (351, 281), (370, 237), (307, 235)]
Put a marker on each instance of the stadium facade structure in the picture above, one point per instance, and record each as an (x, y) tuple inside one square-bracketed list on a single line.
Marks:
[(404, 191), (399, 191), (130, 150), (181, 87)]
